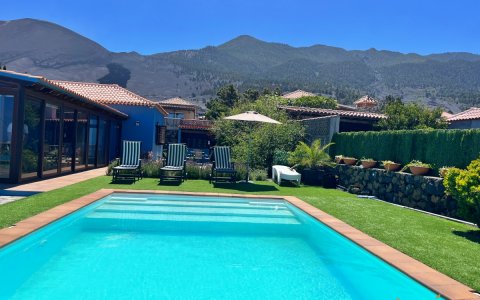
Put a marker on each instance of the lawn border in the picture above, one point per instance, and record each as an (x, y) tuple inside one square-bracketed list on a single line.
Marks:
[(432, 279)]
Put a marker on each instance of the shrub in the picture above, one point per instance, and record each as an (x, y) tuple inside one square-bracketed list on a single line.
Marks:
[(313, 156), (280, 157), (198, 171), (112, 164), (152, 169), (312, 101), (258, 175), (464, 187), (436, 147)]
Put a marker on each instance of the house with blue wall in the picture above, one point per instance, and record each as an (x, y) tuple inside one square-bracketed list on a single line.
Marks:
[(144, 116), (469, 119)]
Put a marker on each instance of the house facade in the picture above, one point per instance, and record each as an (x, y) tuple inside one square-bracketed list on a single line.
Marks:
[(47, 130), (468, 119)]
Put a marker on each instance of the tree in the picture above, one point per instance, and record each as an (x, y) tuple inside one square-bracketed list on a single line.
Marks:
[(265, 138), (227, 97), (312, 101), (410, 116), (250, 95)]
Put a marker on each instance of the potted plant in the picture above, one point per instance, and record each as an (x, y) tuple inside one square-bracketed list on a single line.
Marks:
[(417, 167), (339, 159), (368, 163), (312, 161), (349, 161), (390, 165)]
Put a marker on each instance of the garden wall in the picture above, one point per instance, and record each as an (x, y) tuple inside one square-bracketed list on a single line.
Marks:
[(437, 147), (421, 192)]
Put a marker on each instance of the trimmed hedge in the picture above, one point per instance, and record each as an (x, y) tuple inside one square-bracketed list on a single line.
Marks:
[(436, 147)]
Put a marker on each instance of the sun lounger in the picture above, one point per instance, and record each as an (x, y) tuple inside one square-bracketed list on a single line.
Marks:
[(280, 173)]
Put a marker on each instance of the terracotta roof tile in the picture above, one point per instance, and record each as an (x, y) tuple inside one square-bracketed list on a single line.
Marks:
[(470, 114), (109, 94), (334, 112), (176, 101), (297, 94), (44, 82), (366, 101)]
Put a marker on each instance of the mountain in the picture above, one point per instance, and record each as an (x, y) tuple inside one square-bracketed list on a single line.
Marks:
[(451, 80)]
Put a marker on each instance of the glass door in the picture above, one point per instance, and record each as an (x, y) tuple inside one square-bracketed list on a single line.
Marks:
[(52, 139)]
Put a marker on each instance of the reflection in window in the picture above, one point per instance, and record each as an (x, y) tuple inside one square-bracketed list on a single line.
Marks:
[(31, 138), (52, 139), (80, 150), (6, 118), (102, 135), (68, 139), (92, 141)]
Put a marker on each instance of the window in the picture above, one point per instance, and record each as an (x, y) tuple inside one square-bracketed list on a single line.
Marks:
[(81, 140), (31, 138), (102, 135), (6, 119), (68, 139), (52, 139), (92, 141)]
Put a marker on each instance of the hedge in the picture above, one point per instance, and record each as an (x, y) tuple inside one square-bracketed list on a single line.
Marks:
[(437, 147)]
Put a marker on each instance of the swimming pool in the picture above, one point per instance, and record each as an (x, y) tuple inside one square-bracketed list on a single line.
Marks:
[(147, 246)]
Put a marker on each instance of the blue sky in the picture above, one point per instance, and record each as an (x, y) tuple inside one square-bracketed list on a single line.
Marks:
[(149, 26)]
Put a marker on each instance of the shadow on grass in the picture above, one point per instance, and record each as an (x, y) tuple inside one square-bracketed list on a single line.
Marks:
[(472, 235), (245, 187), (170, 183), (123, 181)]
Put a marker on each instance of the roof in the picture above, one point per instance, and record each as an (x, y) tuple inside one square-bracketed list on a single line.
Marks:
[(196, 124), (176, 102), (334, 112), (470, 114), (45, 83), (297, 94), (446, 115), (109, 94), (365, 100)]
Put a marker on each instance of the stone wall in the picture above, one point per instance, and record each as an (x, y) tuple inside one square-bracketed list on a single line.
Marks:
[(421, 192)]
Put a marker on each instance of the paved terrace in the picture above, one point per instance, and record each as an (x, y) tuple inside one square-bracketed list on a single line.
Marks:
[(11, 192)]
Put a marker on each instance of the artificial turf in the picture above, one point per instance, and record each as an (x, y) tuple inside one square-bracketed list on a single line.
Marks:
[(449, 247)]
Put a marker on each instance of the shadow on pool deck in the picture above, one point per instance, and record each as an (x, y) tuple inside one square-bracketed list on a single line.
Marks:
[(472, 235)]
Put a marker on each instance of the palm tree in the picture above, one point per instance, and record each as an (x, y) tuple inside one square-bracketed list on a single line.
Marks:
[(312, 157)]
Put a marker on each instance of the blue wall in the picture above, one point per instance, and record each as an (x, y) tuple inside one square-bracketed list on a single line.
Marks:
[(145, 132), (467, 124)]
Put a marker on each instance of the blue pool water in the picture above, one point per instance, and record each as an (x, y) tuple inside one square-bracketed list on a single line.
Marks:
[(138, 246)]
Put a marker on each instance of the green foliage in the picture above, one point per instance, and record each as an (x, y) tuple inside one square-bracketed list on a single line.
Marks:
[(197, 171), (259, 175), (415, 163), (111, 165), (264, 139), (464, 186), (436, 147), (313, 156), (280, 157), (227, 97), (312, 101), (151, 169), (410, 116)]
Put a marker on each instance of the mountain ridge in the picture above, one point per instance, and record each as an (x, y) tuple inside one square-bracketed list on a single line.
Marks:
[(450, 80)]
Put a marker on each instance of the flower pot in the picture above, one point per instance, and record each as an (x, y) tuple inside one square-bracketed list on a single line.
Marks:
[(417, 170), (392, 167), (367, 164), (312, 176), (349, 161)]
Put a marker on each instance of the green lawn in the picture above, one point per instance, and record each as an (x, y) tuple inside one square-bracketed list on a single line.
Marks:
[(450, 247)]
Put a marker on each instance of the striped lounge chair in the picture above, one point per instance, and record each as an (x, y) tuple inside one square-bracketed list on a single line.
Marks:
[(223, 169), (130, 165), (174, 167)]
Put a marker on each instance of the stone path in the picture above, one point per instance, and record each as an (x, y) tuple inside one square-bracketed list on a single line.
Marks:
[(13, 192)]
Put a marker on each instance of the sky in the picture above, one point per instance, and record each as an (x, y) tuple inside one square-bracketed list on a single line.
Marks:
[(152, 26)]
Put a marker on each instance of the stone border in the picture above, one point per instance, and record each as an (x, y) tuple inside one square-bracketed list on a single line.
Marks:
[(432, 279)]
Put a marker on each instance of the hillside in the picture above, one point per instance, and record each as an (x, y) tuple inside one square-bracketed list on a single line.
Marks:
[(451, 80)]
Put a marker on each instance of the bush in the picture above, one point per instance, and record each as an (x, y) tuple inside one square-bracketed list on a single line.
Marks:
[(152, 169), (312, 101), (111, 165), (197, 171), (258, 175), (464, 187), (280, 157), (436, 147)]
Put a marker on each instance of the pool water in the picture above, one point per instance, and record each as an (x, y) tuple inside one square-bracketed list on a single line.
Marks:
[(142, 246)]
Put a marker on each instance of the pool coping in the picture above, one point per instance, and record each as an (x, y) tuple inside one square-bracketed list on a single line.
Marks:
[(425, 275)]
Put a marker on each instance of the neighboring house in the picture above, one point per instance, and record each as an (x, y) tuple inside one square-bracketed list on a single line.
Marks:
[(182, 125), (366, 102), (466, 119), (349, 120), (297, 94), (47, 130), (145, 116)]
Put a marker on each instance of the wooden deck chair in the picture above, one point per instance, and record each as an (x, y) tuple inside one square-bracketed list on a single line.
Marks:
[(130, 164), (223, 169), (174, 166)]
